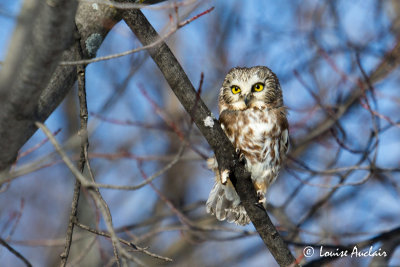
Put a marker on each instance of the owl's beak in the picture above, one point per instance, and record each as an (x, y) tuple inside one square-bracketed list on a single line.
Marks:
[(247, 99)]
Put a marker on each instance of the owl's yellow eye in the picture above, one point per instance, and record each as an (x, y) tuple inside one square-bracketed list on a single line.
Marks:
[(258, 87), (235, 89)]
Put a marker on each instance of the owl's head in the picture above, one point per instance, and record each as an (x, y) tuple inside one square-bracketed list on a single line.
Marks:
[(250, 88)]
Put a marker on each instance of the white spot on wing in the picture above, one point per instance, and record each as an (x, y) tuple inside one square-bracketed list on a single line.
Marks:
[(95, 6), (208, 122), (224, 176)]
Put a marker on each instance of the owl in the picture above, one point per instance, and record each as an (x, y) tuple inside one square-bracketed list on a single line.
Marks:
[(253, 117)]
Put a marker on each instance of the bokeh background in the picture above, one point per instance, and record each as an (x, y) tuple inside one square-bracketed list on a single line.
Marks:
[(337, 64)]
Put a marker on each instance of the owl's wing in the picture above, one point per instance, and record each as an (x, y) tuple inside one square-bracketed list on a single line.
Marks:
[(285, 141), (228, 119), (284, 129)]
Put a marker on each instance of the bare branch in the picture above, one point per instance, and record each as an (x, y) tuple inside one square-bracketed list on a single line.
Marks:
[(94, 193), (23, 81), (224, 151), (388, 64), (145, 47), (130, 244), (149, 4), (18, 126), (81, 73), (16, 253)]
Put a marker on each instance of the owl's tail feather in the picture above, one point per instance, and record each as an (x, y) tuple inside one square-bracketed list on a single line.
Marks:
[(224, 203)]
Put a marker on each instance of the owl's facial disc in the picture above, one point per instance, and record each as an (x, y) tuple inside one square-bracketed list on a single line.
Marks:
[(250, 88), (253, 98), (247, 99), (252, 101)]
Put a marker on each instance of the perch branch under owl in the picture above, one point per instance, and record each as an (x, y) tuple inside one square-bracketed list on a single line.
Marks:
[(224, 151)]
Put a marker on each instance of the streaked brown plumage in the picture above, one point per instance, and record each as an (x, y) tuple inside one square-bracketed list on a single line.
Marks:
[(254, 118)]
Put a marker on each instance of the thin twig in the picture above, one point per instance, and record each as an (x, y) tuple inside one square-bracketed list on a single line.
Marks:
[(81, 71), (223, 148), (123, 241), (35, 147), (83, 253), (145, 47), (13, 251), (119, 5), (83, 180)]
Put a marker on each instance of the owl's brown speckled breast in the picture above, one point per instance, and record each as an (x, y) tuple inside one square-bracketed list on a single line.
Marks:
[(257, 134)]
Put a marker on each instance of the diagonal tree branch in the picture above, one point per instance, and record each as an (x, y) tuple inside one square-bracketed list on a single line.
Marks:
[(23, 79), (222, 147), (20, 99)]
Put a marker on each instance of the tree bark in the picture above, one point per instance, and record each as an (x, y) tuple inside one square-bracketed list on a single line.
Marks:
[(219, 142), (23, 78), (32, 86)]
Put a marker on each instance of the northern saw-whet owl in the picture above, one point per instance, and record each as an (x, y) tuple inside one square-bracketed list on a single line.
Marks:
[(253, 117)]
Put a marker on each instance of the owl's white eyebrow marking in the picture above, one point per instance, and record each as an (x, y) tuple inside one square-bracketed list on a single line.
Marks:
[(208, 122)]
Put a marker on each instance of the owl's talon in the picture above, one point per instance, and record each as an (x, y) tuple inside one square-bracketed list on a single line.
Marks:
[(260, 195), (259, 205), (242, 158), (261, 199), (241, 155)]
